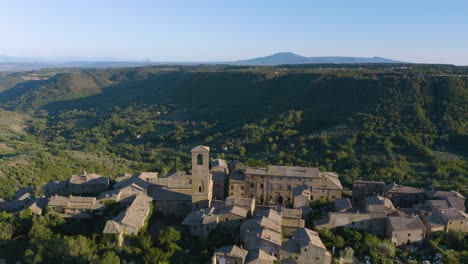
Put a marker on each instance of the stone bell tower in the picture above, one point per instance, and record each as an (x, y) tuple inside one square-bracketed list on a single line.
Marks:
[(202, 183)]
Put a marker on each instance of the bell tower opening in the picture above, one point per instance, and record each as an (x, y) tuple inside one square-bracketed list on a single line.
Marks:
[(199, 159)]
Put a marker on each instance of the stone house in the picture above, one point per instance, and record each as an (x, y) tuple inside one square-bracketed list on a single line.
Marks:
[(200, 223), (247, 203), (73, 206), (301, 196), (37, 206), (275, 184), (304, 247), (131, 220), (263, 232), (229, 255), (231, 218), (219, 170), (22, 197), (237, 185), (362, 189), (367, 222), (452, 198), (88, 184), (56, 188), (453, 219), (139, 181), (404, 230), (291, 220), (404, 196)]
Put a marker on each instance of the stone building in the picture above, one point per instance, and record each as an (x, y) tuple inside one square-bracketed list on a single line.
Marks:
[(367, 222), (291, 221), (304, 247), (301, 196), (200, 223), (88, 184), (263, 232), (246, 203), (219, 170), (452, 198), (453, 219), (405, 230), (229, 255), (404, 196), (362, 189), (275, 184), (131, 220), (178, 193), (237, 185), (56, 188), (73, 206)]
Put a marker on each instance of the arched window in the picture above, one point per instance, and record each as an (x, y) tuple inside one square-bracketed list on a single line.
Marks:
[(199, 159), (201, 187)]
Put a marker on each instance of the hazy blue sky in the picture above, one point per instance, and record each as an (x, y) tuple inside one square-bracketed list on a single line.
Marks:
[(197, 30)]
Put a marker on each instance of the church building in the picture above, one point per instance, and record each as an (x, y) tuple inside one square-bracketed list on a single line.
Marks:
[(178, 193)]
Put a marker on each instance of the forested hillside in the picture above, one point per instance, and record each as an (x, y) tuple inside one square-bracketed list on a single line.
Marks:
[(392, 123)]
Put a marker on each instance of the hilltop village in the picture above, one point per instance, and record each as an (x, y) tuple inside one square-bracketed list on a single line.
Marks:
[(264, 209)]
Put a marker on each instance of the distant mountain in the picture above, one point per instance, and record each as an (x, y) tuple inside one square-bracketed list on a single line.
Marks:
[(11, 64), (292, 58)]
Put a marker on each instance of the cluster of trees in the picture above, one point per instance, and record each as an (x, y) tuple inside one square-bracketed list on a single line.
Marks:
[(51, 239)]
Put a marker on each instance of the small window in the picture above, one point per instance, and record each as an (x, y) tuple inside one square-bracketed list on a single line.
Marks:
[(252, 185), (409, 234), (289, 187), (305, 249), (242, 187), (261, 186)]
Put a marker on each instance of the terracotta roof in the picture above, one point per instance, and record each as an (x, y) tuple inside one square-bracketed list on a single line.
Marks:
[(291, 213), (132, 218), (201, 148), (89, 179), (332, 177), (396, 188), (405, 223), (196, 218), (343, 204), (242, 202), (284, 171), (37, 205), (259, 256), (139, 179), (270, 214), (456, 202), (452, 214), (232, 251), (442, 194), (307, 237)]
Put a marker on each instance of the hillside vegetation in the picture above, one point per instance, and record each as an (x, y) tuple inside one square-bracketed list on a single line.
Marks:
[(392, 123)]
